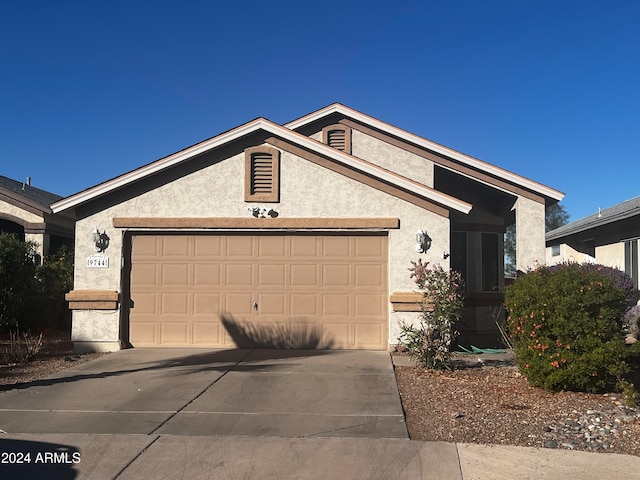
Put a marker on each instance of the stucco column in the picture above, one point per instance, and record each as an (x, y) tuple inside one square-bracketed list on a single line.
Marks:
[(42, 241), (530, 226)]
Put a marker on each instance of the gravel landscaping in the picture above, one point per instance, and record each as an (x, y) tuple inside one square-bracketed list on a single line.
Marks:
[(496, 405)]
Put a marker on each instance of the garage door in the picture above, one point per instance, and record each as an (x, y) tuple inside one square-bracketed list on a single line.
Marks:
[(270, 284)]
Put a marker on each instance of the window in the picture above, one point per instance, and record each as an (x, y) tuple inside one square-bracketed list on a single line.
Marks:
[(490, 265), (261, 174), (338, 137), (555, 250), (631, 260)]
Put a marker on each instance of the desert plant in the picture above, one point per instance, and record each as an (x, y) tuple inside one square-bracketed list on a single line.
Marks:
[(20, 350), (429, 342), (565, 325)]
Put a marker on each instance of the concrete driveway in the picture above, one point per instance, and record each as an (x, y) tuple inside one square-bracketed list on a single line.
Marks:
[(282, 393)]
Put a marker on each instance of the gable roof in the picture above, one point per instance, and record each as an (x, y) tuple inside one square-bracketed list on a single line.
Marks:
[(262, 124), (27, 194), (429, 145), (621, 211)]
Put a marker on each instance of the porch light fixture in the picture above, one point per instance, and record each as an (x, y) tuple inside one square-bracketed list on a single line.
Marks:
[(100, 240), (423, 241)]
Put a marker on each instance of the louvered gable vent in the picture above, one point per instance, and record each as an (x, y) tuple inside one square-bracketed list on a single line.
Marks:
[(262, 174), (336, 139), (337, 136)]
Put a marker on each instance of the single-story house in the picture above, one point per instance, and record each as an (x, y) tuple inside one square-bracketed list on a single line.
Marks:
[(25, 211), (302, 230), (609, 237)]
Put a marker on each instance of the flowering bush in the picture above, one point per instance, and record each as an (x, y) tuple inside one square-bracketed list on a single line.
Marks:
[(429, 343), (565, 324)]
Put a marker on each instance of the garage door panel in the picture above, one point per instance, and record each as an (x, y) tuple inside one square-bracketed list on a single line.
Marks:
[(272, 304), (239, 303), (305, 275), (272, 246), (207, 275), (239, 275), (272, 275), (145, 275), (336, 304), (336, 275), (239, 247), (207, 303), (337, 333), (332, 285), (176, 274), (208, 246), (174, 332), (369, 305), (303, 304), (176, 245), (336, 247), (368, 335), (303, 246), (370, 276), (370, 247), (175, 303), (207, 333)]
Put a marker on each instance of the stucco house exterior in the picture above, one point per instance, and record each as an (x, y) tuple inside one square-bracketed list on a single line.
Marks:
[(25, 211), (304, 229), (609, 237)]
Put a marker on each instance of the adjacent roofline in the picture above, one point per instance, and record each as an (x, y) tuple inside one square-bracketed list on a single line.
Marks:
[(621, 211), (275, 129), (428, 144)]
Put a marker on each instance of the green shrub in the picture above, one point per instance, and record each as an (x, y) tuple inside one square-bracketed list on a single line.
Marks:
[(17, 280), (55, 279), (566, 328)]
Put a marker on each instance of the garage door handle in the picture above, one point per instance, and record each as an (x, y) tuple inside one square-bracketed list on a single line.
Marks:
[(255, 305)]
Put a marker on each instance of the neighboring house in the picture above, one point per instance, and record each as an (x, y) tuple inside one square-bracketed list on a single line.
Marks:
[(182, 240), (25, 211), (609, 237)]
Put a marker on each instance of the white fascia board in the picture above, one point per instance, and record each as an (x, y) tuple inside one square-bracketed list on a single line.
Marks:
[(275, 129), (423, 142)]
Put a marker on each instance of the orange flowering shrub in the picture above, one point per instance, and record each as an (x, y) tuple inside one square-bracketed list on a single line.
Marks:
[(566, 328)]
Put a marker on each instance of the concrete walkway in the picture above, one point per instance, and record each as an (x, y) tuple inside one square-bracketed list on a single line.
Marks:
[(248, 414)]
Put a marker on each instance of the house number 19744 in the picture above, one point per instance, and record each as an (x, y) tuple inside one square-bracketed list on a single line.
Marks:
[(97, 261)]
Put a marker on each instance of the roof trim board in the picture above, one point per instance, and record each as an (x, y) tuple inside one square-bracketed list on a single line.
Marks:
[(246, 129), (428, 144)]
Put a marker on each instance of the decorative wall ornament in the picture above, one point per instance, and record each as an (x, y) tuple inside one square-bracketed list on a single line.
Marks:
[(263, 212)]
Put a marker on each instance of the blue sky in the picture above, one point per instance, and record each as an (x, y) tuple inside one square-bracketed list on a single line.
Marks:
[(547, 89)]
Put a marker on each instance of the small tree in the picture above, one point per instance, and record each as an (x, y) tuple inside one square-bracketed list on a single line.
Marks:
[(17, 280), (430, 342)]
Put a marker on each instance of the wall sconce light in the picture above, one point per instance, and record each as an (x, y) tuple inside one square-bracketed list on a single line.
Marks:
[(423, 241), (263, 212), (100, 240)]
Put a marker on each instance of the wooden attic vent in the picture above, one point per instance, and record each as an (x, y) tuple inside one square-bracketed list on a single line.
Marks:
[(337, 136), (262, 174)]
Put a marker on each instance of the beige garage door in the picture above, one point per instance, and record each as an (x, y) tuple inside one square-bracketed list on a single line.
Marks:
[(293, 285)]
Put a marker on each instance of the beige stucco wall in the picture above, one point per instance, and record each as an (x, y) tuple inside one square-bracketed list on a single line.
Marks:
[(611, 255), (20, 213), (530, 242), (390, 157), (307, 190), (567, 254)]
